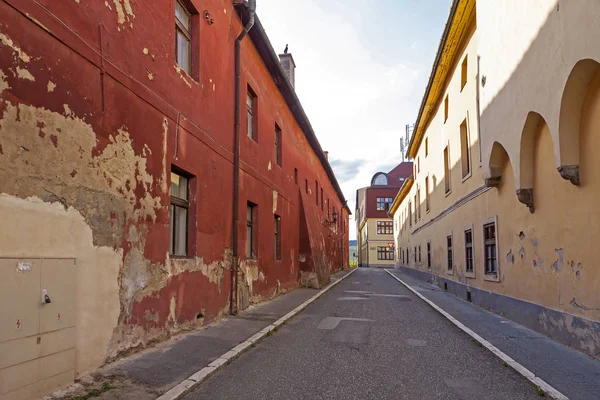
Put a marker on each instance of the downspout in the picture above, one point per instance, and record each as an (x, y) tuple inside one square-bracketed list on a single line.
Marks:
[(235, 259)]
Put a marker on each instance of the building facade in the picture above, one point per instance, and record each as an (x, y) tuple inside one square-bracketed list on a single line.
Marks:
[(143, 187), (503, 209), (375, 231)]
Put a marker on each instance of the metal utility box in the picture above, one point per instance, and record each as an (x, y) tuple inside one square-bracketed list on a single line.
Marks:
[(37, 326)]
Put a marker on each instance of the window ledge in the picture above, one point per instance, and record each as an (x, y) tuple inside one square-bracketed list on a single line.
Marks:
[(427, 211), (491, 278), (450, 271), (466, 177), (470, 275), (448, 193), (173, 257)]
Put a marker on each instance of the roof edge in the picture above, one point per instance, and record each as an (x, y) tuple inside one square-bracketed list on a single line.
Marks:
[(271, 60), (408, 183)]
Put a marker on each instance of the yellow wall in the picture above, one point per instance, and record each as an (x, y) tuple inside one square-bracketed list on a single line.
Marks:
[(369, 242), (546, 257)]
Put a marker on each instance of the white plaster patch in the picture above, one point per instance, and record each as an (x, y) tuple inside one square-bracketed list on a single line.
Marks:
[(68, 111), (5, 40), (269, 167), (106, 4), (51, 86), (3, 83), (145, 51), (214, 87), (22, 73), (124, 12), (275, 195), (178, 69)]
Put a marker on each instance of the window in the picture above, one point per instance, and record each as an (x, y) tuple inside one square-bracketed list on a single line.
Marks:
[(489, 234), (415, 254), (385, 253), (416, 214), (469, 250), (426, 193), (317, 192), (419, 253), (449, 244), (463, 73), (250, 111), (380, 180), (428, 254), (384, 203), (183, 37), (419, 201), (322, 199), (465, 158), (252, 231), (385, 228), (178, 211), (446, 109), (409, 214), (407, 256), (447, 169), (418, 164), (426, 147), (278, 149), (277, 243), (296, 176)]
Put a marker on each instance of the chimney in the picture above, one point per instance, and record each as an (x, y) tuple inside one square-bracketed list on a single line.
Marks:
[(289, 66), (326, 155)]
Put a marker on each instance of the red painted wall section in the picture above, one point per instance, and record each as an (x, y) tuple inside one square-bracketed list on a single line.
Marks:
[(111, 66)]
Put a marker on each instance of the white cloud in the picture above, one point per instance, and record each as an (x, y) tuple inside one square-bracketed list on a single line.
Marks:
[(357, 103)]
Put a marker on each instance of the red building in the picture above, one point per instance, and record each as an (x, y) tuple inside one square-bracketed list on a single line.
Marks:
[(121, 148), (374, 227)]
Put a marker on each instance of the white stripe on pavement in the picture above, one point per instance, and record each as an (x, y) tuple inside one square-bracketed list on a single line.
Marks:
[(555, 394)]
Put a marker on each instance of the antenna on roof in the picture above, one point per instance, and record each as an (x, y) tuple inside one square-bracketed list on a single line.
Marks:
[(402, 148), (409, 132)]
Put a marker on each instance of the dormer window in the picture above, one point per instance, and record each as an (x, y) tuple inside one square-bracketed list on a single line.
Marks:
[(380, 180)]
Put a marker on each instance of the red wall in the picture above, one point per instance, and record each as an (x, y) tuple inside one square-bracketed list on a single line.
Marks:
[(102, 73)]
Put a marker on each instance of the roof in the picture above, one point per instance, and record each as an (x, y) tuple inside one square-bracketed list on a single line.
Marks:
[(267, 53), (401, 195), (402, 170), (462, 12)]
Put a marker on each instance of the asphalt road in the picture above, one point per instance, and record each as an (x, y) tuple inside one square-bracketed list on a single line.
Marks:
[(368, 338)]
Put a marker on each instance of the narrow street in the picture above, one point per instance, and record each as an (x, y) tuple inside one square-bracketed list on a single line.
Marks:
[(368, 338)]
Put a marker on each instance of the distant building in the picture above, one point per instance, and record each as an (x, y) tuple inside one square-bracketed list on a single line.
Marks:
[(375, 230), (353, 258)]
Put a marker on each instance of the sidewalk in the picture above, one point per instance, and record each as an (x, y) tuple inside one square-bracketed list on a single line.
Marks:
[(574, 374), (153, 372)]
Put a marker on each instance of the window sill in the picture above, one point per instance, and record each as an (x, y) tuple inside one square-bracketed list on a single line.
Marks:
[(450, 271), (427, 211), (188, 257), (466, 177), (448, 193), (470, 275), (491, 278)]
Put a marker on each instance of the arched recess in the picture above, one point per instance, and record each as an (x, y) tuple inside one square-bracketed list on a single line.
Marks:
[(525, 190), (498, 157), (573, 97)]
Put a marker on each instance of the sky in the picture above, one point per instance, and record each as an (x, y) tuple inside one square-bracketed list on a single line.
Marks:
[(361, 72)]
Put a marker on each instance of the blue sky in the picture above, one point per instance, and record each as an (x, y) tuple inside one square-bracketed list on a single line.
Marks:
[(362, 69)]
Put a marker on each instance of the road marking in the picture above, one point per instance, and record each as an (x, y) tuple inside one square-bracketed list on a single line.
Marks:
[(190, 383), (330, 323), (351, 298), (416, 342), (555, 394)]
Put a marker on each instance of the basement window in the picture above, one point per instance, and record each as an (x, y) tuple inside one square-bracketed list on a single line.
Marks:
[(178, 210), (429, 255)]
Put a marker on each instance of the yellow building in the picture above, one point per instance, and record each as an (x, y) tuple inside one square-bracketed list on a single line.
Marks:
[(504, 206)]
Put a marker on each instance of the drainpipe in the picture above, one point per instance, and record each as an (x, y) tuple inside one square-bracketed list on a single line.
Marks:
[(233, 306)]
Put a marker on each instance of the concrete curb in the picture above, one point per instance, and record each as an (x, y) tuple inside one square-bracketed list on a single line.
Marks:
[(187, 385), (555, 394)]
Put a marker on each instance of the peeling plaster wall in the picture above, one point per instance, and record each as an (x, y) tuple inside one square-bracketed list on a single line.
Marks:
[(89, 133)]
